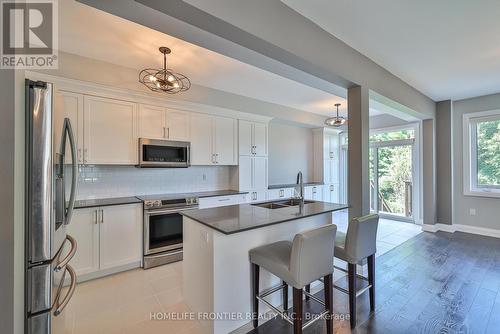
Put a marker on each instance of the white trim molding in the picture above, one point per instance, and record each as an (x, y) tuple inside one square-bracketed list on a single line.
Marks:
[(488, 232)]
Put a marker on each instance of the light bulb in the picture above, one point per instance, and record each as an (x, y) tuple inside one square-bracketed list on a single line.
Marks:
[(170, 78), (176, 85), (157, 84), (152, 78)]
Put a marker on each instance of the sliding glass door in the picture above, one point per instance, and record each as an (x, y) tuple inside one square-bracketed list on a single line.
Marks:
[(391, 174)]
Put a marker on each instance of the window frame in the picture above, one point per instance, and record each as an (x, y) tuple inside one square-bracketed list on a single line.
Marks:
[(470, 150)]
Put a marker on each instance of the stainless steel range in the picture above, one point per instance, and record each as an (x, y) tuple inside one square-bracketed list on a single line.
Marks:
[(163, 227)]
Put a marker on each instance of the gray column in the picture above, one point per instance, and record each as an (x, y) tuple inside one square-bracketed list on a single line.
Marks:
[(429, 172), (359, 149), (444, 145)]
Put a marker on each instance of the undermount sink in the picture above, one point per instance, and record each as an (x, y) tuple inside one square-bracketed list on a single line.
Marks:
[(281, 204), (293, 202)]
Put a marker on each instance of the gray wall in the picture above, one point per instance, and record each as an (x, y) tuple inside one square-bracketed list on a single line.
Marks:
[(290, 150), (487, 209), (444, 182), (386, 120)]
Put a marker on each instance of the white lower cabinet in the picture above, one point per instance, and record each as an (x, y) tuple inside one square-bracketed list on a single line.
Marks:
[(257, 196), (107, 237), (331, 193), (314, 193), (281, 193)]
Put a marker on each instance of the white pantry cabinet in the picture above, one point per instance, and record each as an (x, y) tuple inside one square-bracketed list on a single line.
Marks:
[(109, 131), (213, 140), (69, 105), (162, 123), (253, 173), (252, 138), (107, 237)]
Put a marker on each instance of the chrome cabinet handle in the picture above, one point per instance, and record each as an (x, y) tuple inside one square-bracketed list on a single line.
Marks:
[(85, 155), (95, 216), (168, 133), (59, 306), (216, 158), (102, 216), (70, 255), (80, 155), (163, 132)]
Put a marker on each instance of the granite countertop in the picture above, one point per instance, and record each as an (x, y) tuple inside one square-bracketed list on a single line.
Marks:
[(238, 218), (291, 185), (91, 203)]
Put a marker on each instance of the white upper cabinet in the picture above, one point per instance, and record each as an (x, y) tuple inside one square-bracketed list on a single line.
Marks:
[(161, 123), (177, 125), (110, 131), (245, 138), (201, 139), (260, 139), (252, 138), (225, 141), (213, 140), (69, 105), (151, 122)]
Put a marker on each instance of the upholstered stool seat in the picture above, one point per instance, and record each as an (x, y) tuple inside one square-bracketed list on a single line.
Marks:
[(353, 247), (298, 263)]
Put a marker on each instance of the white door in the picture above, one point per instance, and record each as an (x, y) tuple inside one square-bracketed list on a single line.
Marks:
[(260, 173), (177, 125), (260, 139), (225, 141), (120, 235), (110, 136), (201, 139), (151, 122), (245, 137), (246, 172), (69, 105), (85, 230)]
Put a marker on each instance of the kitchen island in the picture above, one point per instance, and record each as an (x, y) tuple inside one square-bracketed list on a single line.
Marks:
[(216, 241)]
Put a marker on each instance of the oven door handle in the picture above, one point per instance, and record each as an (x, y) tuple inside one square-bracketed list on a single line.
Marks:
[(161, 212)]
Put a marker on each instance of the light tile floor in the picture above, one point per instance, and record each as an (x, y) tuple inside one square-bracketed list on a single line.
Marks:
[(123, 303)]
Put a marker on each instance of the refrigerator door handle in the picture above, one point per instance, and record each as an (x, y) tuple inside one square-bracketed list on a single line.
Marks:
[(59, 306), (67, 129), (70, 255)]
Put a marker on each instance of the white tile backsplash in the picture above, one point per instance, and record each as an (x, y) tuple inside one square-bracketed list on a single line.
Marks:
[(117, 181)]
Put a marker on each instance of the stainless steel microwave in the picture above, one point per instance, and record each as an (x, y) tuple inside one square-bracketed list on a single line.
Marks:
[(164, 153)]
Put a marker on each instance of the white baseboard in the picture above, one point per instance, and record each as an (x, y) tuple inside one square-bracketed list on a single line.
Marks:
[(489, 232)]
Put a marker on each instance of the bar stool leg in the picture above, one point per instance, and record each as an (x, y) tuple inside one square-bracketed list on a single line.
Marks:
[(285, 296), (255, 293), (328, 303), (371, 280), (297, 311), (351, 272), (308, 289)]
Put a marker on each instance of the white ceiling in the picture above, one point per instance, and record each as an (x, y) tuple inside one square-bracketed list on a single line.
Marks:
[(447, 49), (95, 34)]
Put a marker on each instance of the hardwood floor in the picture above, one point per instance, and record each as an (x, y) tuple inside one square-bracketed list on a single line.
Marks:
[(433, 283)]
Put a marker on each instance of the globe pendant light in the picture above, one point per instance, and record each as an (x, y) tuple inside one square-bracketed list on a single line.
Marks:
[(337, 120), (164, 80)]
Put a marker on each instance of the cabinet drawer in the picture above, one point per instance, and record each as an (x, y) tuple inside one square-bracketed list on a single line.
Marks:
[(212, 202)]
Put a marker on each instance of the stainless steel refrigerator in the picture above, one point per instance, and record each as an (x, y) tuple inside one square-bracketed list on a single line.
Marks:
[(50, 177)]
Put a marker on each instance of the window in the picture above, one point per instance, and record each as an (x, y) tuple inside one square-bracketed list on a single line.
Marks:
[(482, 154)]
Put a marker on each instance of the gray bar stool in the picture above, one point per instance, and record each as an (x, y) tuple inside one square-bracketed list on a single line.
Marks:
[(358, 244), (298, 263)]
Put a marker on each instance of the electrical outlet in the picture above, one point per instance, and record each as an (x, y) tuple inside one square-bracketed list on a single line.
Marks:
[(472, 211)]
